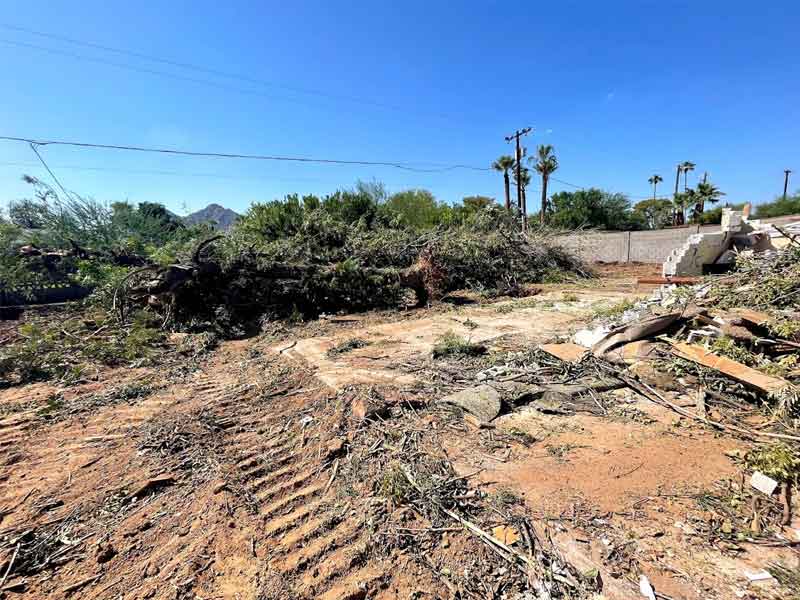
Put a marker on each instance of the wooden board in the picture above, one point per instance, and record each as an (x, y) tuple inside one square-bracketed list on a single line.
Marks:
[(731, 368), (568, 352)]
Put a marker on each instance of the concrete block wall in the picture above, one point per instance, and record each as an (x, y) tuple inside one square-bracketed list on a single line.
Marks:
[(641, 246)]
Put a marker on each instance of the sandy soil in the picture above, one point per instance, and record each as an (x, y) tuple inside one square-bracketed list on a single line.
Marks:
[(220, 482)]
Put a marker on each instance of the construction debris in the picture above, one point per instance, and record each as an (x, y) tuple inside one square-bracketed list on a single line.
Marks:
[(731, 368)]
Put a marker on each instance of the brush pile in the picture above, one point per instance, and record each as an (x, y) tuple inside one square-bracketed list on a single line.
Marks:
[(340, 268)]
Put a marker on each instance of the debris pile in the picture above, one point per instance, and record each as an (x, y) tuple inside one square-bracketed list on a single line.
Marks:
[(228, 281)]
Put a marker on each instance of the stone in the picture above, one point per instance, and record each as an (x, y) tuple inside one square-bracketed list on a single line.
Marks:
[(105, 552), (483, 401)]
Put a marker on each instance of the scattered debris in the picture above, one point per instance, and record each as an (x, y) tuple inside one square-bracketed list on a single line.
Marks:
[(731, 368), (765, 485), (567, 352)]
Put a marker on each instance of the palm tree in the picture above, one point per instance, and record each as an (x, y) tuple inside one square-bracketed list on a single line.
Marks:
[(707, 192), (504, 164), (546, 163), (679, 207), (654, 181), (686, 166)]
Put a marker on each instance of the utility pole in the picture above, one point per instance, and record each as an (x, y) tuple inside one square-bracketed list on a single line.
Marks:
[(518, 155), (785, 182), (675, 197)]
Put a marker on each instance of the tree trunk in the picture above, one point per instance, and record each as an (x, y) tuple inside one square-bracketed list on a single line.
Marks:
[(524, 210), (654, 191), (508, 190), (544, 200)]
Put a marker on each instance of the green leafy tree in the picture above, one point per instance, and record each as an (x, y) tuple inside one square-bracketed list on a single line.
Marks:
[(545, 163), (593, 208), (654, 213), (779, 207), (654, 181), (503, 164), (269, 221), (414, 208)]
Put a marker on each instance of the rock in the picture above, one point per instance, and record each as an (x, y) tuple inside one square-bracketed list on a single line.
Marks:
[(105, 552), (553, 402), (336, 447), (483, 401), (151, 485), (647, 373), (220, 486), (515, 393), (506, 534)]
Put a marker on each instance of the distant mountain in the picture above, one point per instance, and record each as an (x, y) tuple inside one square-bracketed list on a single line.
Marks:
[(213, 214)]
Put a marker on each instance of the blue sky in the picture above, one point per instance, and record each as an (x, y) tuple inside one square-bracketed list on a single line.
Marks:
[(622, 90)]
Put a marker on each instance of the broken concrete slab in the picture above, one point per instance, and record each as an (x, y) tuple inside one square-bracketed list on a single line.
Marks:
[(483, 401), (635, 331), (634, 352), (731, 368), (568, 352)]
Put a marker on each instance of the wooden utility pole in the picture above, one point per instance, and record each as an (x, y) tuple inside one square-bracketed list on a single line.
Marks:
[(675, 197), (785, 182), (518, 155)]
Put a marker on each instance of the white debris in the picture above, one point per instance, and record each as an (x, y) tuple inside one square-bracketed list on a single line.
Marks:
[(763, 483), (589, 337), (646, 589), (762, 575)]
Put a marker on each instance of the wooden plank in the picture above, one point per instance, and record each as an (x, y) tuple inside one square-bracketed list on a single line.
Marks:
[(731, 368), (568, 352), (675, 280)]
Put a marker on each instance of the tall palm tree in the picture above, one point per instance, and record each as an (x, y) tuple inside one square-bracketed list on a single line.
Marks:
[(707, 192), (654, 181), (545, 164), (504, 164), (686, 166)]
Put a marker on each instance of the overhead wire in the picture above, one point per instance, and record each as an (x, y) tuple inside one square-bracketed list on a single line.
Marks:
[(406, 166), (183, 65)]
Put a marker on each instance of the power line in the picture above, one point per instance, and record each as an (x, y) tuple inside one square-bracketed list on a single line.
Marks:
[(580, 187), (39, 156), (397, 165), (181, 65), (184, 174)]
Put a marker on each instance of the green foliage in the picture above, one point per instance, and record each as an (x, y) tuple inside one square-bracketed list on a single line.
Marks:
[(347, 346), (654, 213), (417, 209), (593, 208), (779, 207), (614, 310), (779, 461), (728, 347), (67, 350), (394, 485), (452, 344), (714, 216)]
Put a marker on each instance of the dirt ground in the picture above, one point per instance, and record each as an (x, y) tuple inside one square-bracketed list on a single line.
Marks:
[(246, 475)]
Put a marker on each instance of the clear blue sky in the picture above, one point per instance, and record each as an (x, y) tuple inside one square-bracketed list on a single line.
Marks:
[(621, 89)]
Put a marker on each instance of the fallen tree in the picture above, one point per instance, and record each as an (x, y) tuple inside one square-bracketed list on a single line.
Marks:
[(228, 280)]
